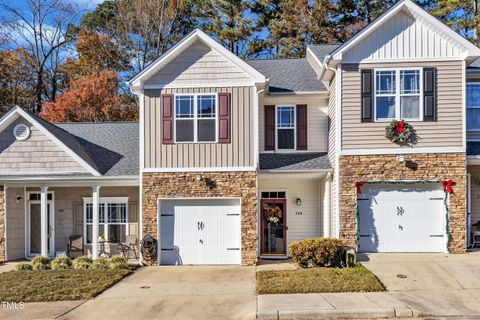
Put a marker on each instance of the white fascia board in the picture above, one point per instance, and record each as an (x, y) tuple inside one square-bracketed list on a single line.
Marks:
[(197, 34), (70, 152), (416, 10)]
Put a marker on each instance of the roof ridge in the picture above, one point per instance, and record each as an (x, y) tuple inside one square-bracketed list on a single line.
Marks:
[(275, 59), (104, 122)]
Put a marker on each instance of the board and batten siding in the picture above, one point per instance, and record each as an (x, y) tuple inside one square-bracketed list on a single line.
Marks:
[(237, 153), (37, 154), (446, 132), (317, 119), (404, 37), (15, 226), (199, 64)]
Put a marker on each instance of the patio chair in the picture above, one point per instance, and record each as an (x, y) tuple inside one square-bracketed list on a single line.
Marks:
[(128, 245), (75, 244)]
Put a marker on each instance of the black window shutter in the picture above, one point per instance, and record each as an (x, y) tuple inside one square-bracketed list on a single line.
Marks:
[(367, 95), (429, 94)]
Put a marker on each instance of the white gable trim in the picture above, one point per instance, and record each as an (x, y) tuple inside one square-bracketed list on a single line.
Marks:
[(137, 81), (470, 49), (15, 112)]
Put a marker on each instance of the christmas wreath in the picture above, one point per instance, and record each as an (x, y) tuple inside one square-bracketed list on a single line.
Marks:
[(273, 213), (399, 132)]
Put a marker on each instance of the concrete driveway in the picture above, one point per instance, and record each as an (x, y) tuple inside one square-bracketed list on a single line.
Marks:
[(176, 293), (433, 284)]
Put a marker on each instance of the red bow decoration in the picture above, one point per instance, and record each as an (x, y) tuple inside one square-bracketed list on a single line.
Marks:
[(359, 185), (447, 185), (399, 126)]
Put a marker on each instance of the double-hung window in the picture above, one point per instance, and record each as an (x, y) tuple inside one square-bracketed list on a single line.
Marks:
[(286, 128), (473, 106), (398, 94), (113, 219), (195, 118)]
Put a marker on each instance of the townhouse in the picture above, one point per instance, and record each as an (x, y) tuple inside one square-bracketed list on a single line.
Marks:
[(374, 141)]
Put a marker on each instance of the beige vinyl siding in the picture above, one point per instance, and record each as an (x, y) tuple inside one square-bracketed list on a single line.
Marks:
[(15, 224), (199, 64), (309, 223), (317, 121), (238, 153), (37, 154), (446, 132), (404, 37), (332, 149)]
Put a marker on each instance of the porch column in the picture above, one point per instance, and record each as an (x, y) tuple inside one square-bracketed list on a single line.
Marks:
[(327, 198), (95, 213), (43, 222)]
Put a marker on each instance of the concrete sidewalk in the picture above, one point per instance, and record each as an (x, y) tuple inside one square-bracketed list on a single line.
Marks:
[(370, 305)]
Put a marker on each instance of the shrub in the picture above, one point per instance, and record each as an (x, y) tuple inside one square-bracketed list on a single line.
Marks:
[(118, 262), (317, 252), (40, 263), (82, 262), (100, 263), (24, 266), (61, 263)]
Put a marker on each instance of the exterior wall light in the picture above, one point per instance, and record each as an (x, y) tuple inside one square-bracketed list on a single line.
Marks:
[(199, 177), (299, 202)]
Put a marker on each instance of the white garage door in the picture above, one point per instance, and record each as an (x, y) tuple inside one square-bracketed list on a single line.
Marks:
[(402, 218), (200, 232)]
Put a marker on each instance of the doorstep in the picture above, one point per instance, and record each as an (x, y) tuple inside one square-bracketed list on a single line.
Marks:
[(371, 305)]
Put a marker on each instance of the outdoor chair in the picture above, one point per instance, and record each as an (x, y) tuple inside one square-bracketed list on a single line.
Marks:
[(75, 244), (129, 245)]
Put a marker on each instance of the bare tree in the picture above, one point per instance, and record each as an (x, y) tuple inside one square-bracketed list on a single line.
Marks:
[(42, 27)]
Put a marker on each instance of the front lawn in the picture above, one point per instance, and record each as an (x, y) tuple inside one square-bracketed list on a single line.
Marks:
[(317, 280), (55, 285)]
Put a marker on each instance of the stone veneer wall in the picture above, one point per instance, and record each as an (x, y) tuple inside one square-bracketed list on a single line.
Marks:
[(214, 184), (2, 225), (387, 167)]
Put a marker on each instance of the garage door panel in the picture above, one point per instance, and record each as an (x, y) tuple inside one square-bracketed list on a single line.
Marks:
[(402, 218), (201, 231)]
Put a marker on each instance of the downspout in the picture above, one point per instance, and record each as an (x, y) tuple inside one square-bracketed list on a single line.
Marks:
[(256, 157)]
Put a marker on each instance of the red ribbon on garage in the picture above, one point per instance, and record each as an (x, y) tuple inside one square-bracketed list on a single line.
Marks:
[(447, 185), (359, 185)]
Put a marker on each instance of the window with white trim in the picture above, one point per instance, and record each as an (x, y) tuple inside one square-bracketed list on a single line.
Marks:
[(285, 122), (196, 118), (113, 219), (398, 94), (473, 106)]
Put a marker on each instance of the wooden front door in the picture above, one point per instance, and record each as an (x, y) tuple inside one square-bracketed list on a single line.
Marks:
[(273, 234)]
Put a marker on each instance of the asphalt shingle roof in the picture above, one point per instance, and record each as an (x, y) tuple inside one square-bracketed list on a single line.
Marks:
[(112, 146), (294, 161), (288, 75), (321, 50)]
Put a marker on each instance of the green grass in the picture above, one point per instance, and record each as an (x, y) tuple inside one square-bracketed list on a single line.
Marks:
[(317, 280), (56, 285)]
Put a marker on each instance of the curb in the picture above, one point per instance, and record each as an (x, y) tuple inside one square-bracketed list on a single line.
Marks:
[(371, 313)]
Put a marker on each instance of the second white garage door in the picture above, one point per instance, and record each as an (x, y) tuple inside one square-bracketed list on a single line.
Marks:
[(402, 218), (200, 232)]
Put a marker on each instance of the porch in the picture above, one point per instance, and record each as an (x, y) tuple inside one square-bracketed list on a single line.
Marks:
[(292, 207), (41, 217)]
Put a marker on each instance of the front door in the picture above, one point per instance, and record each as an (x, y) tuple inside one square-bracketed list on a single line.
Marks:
[(34, 229), (273, 227)]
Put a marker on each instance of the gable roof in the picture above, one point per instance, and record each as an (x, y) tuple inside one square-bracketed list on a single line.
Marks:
[(288, 75), (63, 139), (102, 148), (113, 146), (471, 50), (137, 82), (322, 50)]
